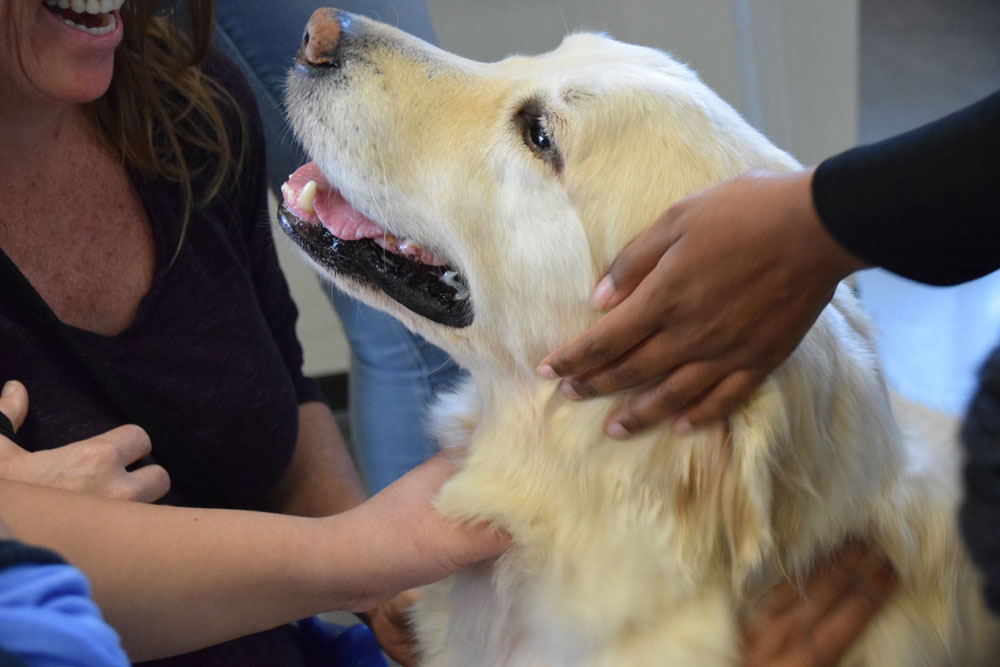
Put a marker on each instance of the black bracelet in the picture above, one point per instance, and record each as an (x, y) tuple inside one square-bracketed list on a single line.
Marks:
[(7, 429), (13, 552)]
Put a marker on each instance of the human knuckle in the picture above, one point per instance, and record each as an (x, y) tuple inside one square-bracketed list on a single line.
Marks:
[(584, 388), (119, 492), (668, 394), (160, 477), (636, 420), (596, 348), (101, 453), (624, 376), (136, 433)]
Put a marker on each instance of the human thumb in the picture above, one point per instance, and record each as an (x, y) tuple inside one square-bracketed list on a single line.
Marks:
[(14, 403)]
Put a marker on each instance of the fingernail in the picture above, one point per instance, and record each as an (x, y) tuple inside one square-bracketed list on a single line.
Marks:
[(617, 431), (682, 426), (603, 293), (8, 389), (547, 372), (569, 390)]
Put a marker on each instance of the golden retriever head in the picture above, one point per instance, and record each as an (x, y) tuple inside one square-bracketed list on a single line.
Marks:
[(441, 165)]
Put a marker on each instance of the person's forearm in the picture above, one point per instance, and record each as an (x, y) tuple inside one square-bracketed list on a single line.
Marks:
[(321, 478), (924, 204), (174, 579)]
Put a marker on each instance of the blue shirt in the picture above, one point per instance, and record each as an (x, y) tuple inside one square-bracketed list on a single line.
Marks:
[(48, 619)]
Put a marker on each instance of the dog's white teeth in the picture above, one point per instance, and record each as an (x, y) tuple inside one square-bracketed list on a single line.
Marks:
[(307, 196), (450, 278)]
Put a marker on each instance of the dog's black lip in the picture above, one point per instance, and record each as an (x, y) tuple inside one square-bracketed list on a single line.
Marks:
[(416, 286)]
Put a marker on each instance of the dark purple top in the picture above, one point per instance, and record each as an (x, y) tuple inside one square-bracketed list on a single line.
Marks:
[(924, 204), (212, 350)]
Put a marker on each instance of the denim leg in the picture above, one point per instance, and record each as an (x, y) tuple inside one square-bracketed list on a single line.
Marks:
[(394, 376), (394, 373)]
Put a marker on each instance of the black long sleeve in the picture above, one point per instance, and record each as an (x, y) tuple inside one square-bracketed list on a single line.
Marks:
[(924, 204)]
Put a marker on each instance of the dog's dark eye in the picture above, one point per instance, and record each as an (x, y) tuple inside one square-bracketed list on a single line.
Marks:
[(537, 134), (535, 128)]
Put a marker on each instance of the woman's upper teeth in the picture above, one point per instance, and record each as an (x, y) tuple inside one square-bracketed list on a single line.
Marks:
[(87, 6)]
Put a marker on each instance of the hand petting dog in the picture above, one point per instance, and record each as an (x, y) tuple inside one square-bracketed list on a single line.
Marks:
[(817, 625), (706, 303)]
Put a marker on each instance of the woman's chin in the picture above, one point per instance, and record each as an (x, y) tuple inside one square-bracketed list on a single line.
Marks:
[(79, 85)]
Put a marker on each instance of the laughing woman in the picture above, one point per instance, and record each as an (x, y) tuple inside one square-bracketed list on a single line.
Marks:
[(138, 285)]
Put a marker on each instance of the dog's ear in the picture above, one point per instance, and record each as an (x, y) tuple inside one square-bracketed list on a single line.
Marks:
[(723, 495)]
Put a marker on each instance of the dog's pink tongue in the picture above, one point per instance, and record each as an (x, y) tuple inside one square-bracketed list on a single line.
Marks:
[(327, 207)]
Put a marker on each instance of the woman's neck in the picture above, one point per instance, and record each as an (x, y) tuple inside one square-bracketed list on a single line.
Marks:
[(42, 151)]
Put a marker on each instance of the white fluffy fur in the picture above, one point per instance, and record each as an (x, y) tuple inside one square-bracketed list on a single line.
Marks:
[(641, 552)]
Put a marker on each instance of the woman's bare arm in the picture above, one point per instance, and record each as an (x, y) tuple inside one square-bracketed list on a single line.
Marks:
[(172, 579)]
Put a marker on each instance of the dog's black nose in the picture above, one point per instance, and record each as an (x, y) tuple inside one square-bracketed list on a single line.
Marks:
[(321, 42)]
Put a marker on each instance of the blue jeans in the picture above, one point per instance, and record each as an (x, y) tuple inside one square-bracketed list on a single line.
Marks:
[(394, 373)]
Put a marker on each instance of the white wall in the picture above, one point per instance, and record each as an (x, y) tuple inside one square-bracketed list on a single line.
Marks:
[(790, 66)]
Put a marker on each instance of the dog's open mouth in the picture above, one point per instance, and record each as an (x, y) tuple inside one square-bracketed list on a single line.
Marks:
[(339, 238)]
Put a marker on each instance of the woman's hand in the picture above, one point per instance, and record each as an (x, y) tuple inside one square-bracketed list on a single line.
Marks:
[(706, 303), (97, 465), (390, 623), (412, 544), (816, 628)]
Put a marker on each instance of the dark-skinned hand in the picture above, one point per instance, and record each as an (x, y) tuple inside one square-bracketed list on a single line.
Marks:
[(706, 303)]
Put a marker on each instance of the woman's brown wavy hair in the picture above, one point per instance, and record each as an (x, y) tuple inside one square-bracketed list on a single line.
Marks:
[(160, 105)]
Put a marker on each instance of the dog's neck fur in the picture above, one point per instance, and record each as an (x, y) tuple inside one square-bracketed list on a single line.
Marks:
[(721, 486)]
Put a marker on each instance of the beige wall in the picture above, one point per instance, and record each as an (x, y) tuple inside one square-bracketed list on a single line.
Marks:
[(790, 66)]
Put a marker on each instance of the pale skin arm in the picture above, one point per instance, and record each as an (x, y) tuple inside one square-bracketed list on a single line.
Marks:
[(706, 303), (321, 480), (172, 579), (175, 579)]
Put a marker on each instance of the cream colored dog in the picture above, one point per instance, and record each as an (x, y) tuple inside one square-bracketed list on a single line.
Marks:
[(484, 202)]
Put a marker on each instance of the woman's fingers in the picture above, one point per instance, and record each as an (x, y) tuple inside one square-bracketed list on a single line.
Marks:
[(14, 403), (147, 484), (131, 442)]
